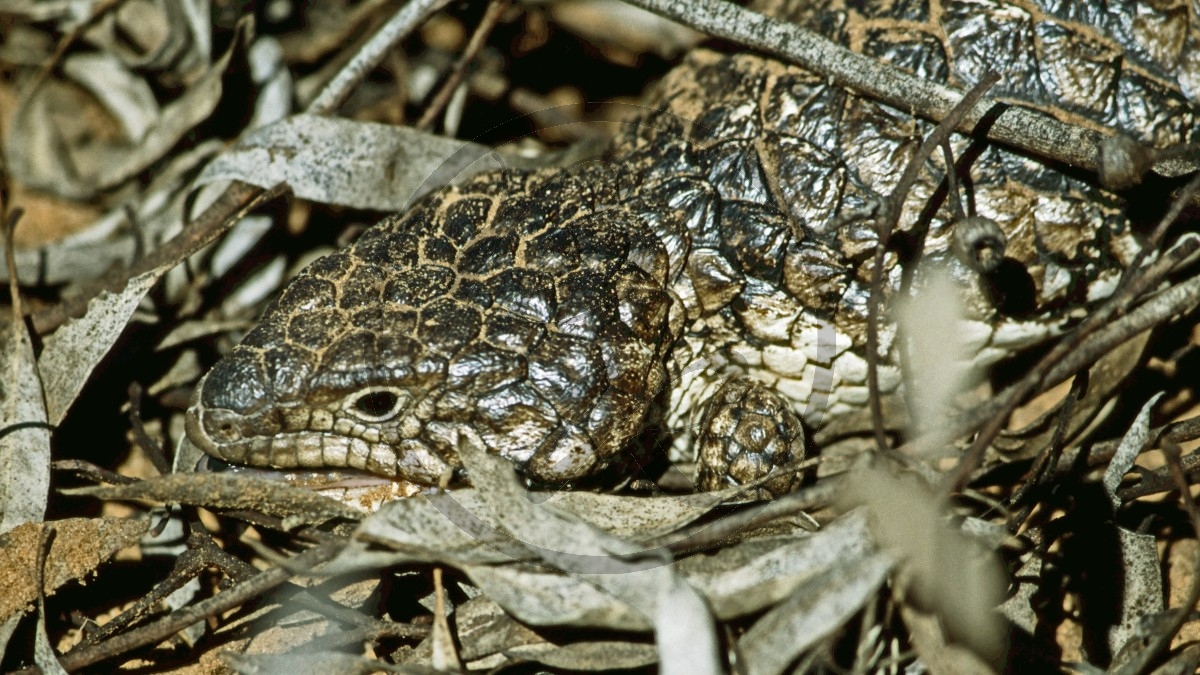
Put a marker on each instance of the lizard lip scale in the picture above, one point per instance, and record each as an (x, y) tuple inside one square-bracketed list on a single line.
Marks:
[(707, 279)]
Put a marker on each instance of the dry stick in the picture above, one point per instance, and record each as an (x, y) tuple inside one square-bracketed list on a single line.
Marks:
[(151, 448), (890, 219), (1018, 127), (1102, 453), (372, 53), (226, 600), (91, 472), (9, 222), (1159, 480), (240, 197), (953, 198), (195, 559), (1048, 459), (490, 18)]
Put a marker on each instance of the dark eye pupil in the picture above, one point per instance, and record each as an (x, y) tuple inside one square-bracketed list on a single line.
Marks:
[(376, 403)]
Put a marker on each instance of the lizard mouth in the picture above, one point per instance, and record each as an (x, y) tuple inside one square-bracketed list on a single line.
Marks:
[(310, 478), (307, 456), (364, 491)]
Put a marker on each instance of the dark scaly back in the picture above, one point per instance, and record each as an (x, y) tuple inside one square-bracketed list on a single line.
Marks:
[(775, 169)]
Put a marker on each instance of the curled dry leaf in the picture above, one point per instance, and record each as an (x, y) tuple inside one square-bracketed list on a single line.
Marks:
[(1141, 589), (80, 171)]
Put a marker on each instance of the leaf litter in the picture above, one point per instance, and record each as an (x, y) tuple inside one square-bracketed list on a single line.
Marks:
[(895, 575)]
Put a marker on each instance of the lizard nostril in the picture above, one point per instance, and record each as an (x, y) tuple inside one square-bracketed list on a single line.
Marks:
[(235, 383)]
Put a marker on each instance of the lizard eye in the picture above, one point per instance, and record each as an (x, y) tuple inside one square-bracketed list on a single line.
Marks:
[(377, 404)]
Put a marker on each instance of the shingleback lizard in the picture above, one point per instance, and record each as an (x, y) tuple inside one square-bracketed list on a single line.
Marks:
[(706, 277)]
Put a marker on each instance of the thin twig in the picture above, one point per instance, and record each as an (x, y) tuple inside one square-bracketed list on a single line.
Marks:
[(887, 224), (490, 18), (91, 472), (372, 53), (1159, 480), (151, 448), (1183, 431), (1048, 460), (9, 222), (953, 198), (86, 655)]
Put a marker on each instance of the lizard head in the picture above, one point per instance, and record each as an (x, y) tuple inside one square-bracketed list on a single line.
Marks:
[(545, 342)]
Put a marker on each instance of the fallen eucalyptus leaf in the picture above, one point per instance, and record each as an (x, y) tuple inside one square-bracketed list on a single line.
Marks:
[(1132, 443), (442, 528), (333, 160), (540, 597), (24, 433), (596, 656), (1141, 587), (73, 351), (484, 629), (814, 611), (640, 518), (757, 573)]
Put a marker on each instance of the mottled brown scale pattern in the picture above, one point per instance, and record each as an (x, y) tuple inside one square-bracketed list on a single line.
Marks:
[(711, 274)]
